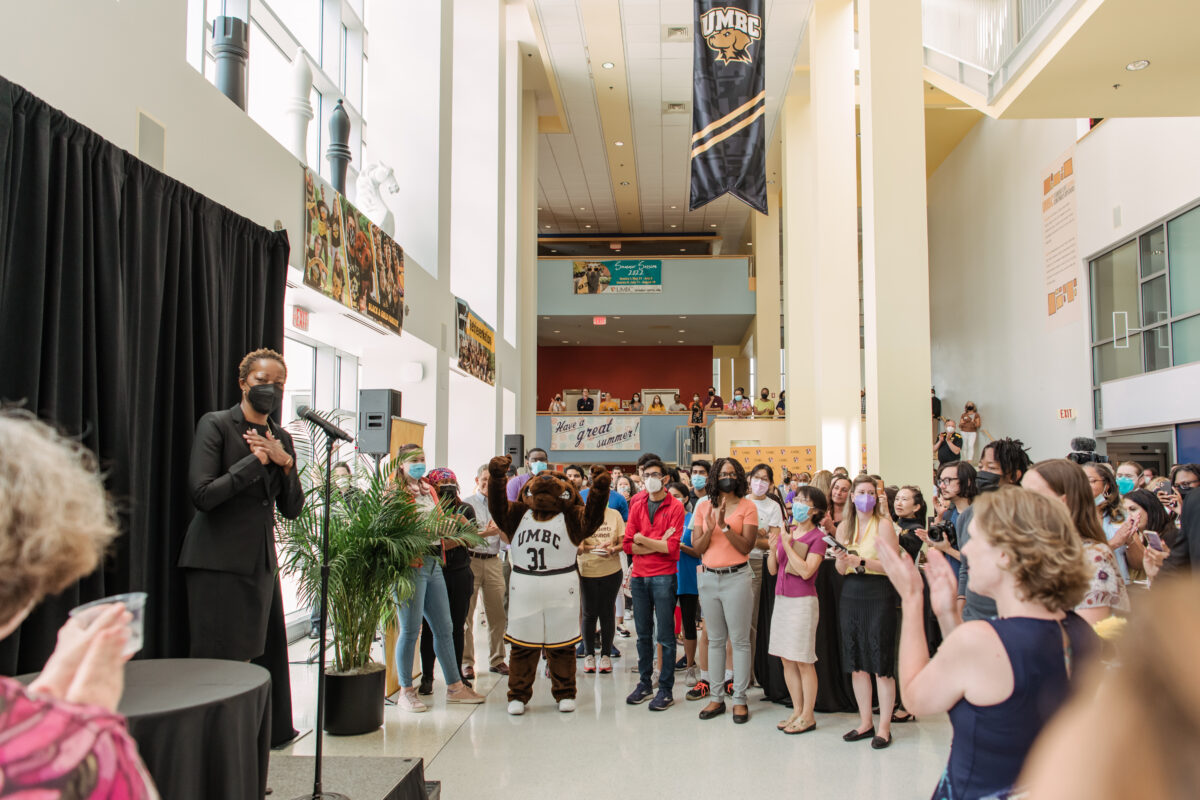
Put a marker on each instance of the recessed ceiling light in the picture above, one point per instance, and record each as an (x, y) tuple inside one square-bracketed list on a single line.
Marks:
[(682, 331), (673, 226), (749, 244), (553, 251), (622, 341), (581, 208), (713, 225), (564, 341), (545, 226), (587, 226), (1140, 64), (671, 207), (683, 249), (616, 317), (683, 317), (679, 340), (545, 318), (608, 65), (619, 144), (624, 183), (557, 331), (620, 331), (540, 208)]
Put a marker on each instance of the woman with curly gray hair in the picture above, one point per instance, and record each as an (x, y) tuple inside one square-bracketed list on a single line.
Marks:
[(55, 523)]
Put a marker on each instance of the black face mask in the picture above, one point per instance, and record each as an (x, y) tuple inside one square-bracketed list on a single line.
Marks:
[(447, 492), (987, 481), (1184, 491), (726, 485), (765, 395), (711, 392), (265, 398)]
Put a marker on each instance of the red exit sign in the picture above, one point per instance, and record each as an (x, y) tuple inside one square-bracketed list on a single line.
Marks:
[(300, 318), (599, 320), (1066, 413)]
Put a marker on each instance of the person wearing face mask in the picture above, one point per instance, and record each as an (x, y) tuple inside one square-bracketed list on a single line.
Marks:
[(725, 528), (557, 406), (781, 406), (741, 405), (763, 407), (1002, 462), (635, 404), (1111, 512), (538, 462), (868, 610), (460, 582), (1129, 477), (948, 445), (696, 425), (969, 423), (714, 402), (1185, 555), (770, 523), (429, 599), (243, 470), (795, 556), (677, 406)]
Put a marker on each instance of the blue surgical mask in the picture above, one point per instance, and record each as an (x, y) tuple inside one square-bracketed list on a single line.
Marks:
[(1125, 484), (538, 466), (800, 512), (737, 397), (416, 471), (1099, 499), (699, 482)]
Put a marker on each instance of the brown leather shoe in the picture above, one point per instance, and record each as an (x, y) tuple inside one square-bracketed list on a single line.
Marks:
[(500, 669), (469, 673)]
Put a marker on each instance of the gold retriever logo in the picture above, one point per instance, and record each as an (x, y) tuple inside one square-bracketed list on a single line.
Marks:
[(730, 31)]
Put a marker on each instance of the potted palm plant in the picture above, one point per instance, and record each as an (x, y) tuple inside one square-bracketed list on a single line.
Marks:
[(375, 536)]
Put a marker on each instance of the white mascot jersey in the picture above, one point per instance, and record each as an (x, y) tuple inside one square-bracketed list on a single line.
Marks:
[(543, 590)]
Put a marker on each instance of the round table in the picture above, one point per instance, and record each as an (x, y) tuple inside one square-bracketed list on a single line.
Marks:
[(202, 726)]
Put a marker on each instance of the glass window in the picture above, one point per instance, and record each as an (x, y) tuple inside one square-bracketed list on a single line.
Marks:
[(1183, 238), (1115, 292), (1157, 346), (1185, 336), (303, 20), (348, 383), (269, 69), (1154, 301), (1154, 258), (1110, 362), (302, 371)]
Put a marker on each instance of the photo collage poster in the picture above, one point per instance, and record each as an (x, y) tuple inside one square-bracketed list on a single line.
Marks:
[(476, 344), (348, 258)]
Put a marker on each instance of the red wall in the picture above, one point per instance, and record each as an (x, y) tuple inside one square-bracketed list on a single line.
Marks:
[(623, 370)]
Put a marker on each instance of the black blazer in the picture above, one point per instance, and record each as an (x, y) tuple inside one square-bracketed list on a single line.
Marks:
[(235, 496)]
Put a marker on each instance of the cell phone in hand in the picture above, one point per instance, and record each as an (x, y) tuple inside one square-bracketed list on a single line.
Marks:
[(1154, 541), (834, 543)]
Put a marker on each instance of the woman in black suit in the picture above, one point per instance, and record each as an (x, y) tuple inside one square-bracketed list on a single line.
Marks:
[(243, 467)]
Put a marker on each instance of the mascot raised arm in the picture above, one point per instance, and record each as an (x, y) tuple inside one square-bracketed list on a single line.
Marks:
[(544, 527)]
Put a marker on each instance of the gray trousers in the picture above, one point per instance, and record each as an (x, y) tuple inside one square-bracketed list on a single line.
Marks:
[(728, 602)]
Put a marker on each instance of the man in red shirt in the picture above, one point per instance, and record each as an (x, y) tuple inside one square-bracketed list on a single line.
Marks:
[(652, 539)]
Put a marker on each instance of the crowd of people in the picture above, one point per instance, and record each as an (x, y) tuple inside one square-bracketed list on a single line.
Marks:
[(766, 404), (1016, 589)]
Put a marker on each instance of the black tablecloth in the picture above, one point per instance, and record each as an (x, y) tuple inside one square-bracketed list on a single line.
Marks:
[(202, 726), (834, 692)]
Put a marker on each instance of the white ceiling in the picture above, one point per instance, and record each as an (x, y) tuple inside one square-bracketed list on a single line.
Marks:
[(574, 183)]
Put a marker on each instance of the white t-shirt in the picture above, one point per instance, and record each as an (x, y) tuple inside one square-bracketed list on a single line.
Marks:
[(769, 516)]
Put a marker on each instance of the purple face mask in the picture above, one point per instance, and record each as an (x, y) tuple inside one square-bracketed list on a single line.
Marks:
[(865, 503)]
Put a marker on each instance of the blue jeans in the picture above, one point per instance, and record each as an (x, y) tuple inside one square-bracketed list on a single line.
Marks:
[(431, 600), (654, 607)]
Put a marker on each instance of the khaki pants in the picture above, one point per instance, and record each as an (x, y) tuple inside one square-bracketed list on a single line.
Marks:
[(489, 577)]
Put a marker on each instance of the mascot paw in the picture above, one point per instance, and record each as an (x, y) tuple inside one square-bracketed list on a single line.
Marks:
[(499, 465), (516, 708), (601, 478), (567, 704)]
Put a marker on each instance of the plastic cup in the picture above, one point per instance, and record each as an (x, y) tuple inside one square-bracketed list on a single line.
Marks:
[(134, 602)]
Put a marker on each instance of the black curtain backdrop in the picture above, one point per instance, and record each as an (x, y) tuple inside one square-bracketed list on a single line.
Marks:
[(126, 302)]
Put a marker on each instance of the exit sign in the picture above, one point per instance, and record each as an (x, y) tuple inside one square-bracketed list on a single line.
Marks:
[(599, 320), (1066, 413), (300, 318)]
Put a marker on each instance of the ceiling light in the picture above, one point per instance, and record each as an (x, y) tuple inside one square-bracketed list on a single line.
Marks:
[(713, 225), (619, 144), (679, 340), (616, 317), (581, 208), (553, 251), (683, 249), (557, 331), (545, 318), (749, 244), (1135, 66), (682, 331), (587, 226), (545, 226), (683, 317), (564, 341), (620, 331), (608, 65), (625, 183), (672, 226), (671, 207), (622, 341), (540, 208)]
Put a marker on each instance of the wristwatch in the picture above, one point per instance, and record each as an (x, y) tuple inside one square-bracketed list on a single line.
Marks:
[(861, 569)]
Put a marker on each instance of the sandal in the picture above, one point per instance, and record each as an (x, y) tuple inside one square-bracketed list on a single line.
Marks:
[(792, 730)]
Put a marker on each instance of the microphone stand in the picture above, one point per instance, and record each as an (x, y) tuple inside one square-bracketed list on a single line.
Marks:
[(318, 793)]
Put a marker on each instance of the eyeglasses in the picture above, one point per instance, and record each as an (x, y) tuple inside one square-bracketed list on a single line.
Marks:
[(947, 481), (1186, 484)]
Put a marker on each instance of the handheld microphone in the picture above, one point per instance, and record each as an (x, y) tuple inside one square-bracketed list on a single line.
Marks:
[(304, 412)]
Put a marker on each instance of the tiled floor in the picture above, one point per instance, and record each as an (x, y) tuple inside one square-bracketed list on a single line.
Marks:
[(609, 749)]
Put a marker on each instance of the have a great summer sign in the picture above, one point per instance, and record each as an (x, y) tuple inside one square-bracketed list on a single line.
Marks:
[(596, 432)]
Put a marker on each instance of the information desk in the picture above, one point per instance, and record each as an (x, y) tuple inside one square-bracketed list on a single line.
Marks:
[(202, 726)]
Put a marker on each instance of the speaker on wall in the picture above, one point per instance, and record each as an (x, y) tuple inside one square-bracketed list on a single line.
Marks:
[(514, 448), (376, 410)]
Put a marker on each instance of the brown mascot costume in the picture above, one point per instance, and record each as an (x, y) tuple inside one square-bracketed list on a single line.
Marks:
[(544, 527)]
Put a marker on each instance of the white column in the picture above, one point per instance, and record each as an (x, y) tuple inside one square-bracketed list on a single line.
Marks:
[(800, 303), (767, 342), (835, 234), (895, 240), (527, 275)]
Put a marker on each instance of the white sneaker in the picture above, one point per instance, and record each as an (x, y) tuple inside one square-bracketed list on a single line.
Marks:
[(567, 704), (516, 708), (628, 615), (407, 700), (605, 664), (589, 664), (691, 675)]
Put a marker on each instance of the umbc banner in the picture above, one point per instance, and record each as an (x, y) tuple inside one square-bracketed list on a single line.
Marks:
[(728, 104)]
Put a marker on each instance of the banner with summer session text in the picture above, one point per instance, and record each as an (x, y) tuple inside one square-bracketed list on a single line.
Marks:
[(643, 276), (596, 432), (476, 344)]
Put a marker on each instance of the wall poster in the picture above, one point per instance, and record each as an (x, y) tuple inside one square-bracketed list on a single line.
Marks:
[(800, 458), (348, 258), (643, 276), (476, 344), (1060, 242), (596, 432)]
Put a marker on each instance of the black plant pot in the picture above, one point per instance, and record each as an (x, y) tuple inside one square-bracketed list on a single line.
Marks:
[(354, 703)]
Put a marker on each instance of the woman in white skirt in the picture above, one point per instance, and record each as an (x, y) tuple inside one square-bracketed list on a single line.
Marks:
[(795, 556)]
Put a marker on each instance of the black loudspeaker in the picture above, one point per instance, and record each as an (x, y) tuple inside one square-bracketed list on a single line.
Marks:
[(514, 448), (376, 410)]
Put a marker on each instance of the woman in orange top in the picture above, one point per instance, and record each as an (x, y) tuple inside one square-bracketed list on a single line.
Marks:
[(724, 527), (867, 611)]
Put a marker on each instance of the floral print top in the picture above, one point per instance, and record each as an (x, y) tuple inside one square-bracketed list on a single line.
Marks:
[(54, 750), (1106, 588)]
